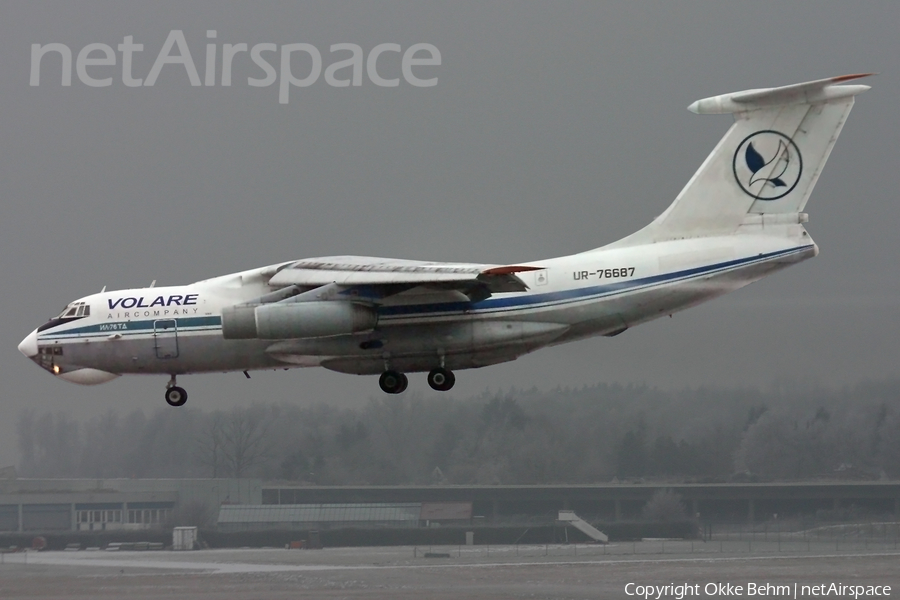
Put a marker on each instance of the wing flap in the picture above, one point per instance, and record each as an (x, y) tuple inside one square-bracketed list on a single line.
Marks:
[(365, 270)]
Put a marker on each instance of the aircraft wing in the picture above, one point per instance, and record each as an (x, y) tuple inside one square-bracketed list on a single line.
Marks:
[(402, 274)]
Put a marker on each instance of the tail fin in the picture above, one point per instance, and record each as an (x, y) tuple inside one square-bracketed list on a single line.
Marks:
[(768, 162)]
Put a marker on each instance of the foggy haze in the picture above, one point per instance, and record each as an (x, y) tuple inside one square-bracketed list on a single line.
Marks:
[(553, 128)]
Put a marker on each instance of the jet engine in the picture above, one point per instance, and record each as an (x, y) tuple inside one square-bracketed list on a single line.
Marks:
[(296, 320)]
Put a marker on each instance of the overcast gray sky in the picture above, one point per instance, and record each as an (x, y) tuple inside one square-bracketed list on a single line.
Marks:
[(554, 128)]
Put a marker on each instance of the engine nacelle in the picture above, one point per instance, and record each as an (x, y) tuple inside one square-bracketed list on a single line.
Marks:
[(296, 320)]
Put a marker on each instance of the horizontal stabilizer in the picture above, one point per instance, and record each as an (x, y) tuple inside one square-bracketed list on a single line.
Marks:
[(810, 92)]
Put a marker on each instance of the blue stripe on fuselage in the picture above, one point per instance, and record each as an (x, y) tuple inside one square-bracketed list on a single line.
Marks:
[(578, 294), (562, 297), (184, 324)]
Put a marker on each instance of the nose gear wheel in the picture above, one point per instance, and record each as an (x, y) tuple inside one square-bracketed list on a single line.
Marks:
[(176, 396)]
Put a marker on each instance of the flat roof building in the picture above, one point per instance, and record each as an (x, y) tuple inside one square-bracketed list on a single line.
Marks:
[(234, 517), (46, 505)]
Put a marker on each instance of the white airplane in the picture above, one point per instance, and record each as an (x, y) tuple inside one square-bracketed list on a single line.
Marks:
[(737, 220)]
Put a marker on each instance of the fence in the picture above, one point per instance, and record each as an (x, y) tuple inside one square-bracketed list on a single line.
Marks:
[(735, 541)]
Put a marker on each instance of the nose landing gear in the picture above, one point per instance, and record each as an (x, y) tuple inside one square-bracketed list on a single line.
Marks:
[(175, 395)]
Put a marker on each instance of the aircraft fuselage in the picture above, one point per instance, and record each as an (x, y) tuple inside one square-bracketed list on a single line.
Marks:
[(178, 330)]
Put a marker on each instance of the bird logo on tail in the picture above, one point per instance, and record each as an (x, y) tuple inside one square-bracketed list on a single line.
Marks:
[(767, 165)]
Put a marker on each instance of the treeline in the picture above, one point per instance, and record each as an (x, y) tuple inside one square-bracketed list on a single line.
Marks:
[(593, 434)]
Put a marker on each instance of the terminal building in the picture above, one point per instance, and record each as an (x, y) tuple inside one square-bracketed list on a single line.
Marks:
[(367, 515), (55, 505), (50, 505), (714, 502)]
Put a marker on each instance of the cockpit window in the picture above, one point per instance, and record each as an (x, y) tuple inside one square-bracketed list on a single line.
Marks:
[(74, 310)]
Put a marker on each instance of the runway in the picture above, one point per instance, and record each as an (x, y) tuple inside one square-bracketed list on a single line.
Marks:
[(478, 572)]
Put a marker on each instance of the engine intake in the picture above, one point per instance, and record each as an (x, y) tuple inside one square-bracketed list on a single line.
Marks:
[(296, 320)]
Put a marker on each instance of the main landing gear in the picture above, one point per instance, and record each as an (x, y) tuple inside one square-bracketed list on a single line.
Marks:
[(394, 382), (175, 395), (441, 379)]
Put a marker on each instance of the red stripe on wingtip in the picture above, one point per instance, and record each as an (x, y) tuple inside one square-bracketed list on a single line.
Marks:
[(510, 269), (842, 78)]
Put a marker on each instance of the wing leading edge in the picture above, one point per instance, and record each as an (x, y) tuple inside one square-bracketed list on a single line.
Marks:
[(402, 274)]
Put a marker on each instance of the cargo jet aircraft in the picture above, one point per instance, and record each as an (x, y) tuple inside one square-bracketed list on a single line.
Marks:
[(738, 219)]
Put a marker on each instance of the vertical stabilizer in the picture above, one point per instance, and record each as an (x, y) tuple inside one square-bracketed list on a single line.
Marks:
[(767, 163)]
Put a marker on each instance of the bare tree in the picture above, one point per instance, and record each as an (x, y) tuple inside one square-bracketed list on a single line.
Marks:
[(664, 506), (192, 514), (27, 441), (245, 437), (211, 441), (57, 442), (530, 436)]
